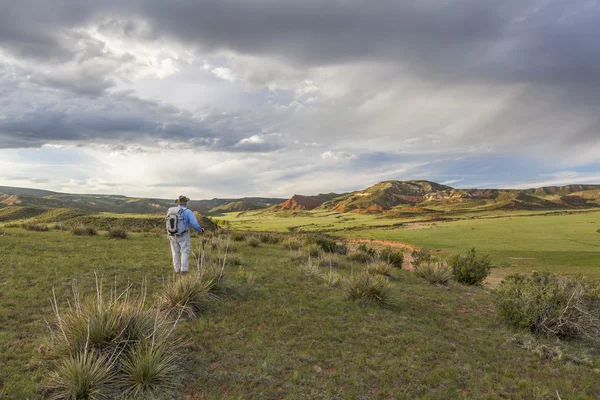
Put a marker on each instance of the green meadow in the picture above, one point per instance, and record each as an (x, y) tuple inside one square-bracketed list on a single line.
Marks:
[(567, 243), (278, 333)]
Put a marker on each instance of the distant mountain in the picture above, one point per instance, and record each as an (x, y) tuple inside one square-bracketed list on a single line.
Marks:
[(23, 197), (387, 197), (421, 196), (300, 202)]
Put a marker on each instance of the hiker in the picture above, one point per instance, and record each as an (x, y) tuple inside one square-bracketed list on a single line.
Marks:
[(179, 220)]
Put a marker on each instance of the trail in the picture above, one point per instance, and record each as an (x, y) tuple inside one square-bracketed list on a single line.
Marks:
[(407, 264)]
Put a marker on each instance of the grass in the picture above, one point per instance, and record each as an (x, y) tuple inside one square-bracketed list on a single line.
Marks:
[(280, 335), (566, 244)]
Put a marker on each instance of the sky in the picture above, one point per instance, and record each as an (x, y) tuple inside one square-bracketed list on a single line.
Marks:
[(226, 98)]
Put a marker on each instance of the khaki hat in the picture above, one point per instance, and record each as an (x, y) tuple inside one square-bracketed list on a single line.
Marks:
[(182, 200)]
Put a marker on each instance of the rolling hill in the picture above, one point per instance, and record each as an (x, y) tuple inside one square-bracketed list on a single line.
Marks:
[(424, 196)]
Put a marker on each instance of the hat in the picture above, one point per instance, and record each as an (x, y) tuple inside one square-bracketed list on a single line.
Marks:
[(182, 200)]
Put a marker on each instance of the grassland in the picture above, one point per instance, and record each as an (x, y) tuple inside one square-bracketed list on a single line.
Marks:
[(563, 242), (281, 335)]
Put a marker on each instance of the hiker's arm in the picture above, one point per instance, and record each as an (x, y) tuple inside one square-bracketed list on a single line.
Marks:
[(193, 222)]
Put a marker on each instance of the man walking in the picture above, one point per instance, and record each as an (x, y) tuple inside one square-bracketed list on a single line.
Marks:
[(179, 221)]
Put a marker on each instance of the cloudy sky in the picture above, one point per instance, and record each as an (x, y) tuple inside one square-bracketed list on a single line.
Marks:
[(276, 97)]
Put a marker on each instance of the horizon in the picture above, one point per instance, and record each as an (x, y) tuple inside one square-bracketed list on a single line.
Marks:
[(301, 194), (225, 99)]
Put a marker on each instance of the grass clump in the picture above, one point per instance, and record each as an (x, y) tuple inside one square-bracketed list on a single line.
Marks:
[(470, 269), (368, 289), (36, 227), (292, 243), (83, 230), (187, 294), (253, 241), (238, 236), (117, 233), (434, 273), (381, 268), (149, 371), (546, 304), (83, 375), (268, 238), (101, 341), (392, 257)]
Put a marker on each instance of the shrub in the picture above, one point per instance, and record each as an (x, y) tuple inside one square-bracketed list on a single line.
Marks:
[(292, 243), (253, 241), (334, 261), (360, 257), (313, 250), (238, 236), (82, 230), (149, 371), (598, 231), (269, 238), (380, 268), (434, 273), (36, 227), (363, 248), (392, 257), (470, 269), (82, 375), (366, 289), (60, 227), (331, 246), (117, 233), (420, 256), (187, 294), (546, 304), (112, 346)]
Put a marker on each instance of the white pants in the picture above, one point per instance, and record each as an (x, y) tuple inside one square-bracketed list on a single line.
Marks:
[(180, 248)]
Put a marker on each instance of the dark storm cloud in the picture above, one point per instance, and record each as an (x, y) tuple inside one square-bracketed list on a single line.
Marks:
[(548, 46)]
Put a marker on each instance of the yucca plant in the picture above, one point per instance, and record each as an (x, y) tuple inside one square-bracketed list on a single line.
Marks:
[(379, 268), (366, 289), (82, 375), (434, 272), (149, 371), (188, 294)]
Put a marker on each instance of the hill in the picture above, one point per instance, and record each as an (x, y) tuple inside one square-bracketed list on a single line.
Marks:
[(300, 202), (23, 197), (425, 196)]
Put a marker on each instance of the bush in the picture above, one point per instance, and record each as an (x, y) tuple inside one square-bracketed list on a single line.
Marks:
[(269, 238), (117, 233), (253, 241), (313, 250), (392, 257), (363, 248), (366, 289), (82, 230), (331, 246), (434, 273), (36, 227), (60, 227), (292, 243), (420, 256), (361, 257), (470, 269), (380, 268), (102, 345), (238, 236), (546, 304)]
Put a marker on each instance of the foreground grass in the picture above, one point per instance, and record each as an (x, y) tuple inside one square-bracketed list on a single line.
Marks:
[(285, 335)]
